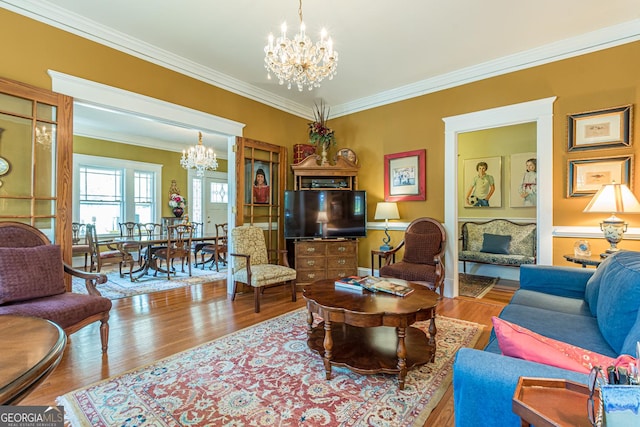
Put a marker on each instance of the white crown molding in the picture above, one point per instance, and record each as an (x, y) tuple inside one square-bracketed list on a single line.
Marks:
[(50, 14), (586, 43)]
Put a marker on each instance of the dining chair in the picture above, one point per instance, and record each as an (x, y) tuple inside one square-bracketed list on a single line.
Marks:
[(251, 264), (79, 244), (178, 247), (115, 254), (217, 250), (131, 229)]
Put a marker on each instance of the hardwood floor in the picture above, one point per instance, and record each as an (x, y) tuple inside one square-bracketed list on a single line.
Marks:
[(149, 327)]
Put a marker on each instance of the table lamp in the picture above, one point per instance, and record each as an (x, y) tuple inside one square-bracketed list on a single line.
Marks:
[(323, 219), (386, 211), (613, 198)]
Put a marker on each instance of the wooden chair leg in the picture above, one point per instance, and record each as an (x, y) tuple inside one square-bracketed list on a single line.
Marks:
[(104, 334), (235, 290)]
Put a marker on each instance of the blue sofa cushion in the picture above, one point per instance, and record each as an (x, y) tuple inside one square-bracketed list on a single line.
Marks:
[(553, 280), (551, 302), (578, 330), (495, 244), (592, 290), (619, 297)]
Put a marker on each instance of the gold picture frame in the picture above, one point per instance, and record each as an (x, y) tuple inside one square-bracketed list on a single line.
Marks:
[(609, 128)]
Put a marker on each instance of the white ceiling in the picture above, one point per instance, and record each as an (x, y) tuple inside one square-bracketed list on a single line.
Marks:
[(388, 50)]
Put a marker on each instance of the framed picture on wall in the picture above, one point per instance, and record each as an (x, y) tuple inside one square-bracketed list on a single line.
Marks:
[(257, 179), (483, 182), (523, 181), (586, 176), (608, 128), (405, 176)]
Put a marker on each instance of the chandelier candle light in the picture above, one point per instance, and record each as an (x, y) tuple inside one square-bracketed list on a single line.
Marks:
[(300, 61), (199, 158), (613, 198)]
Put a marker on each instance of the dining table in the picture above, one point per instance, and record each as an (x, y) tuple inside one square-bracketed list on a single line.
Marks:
[(155, 240)]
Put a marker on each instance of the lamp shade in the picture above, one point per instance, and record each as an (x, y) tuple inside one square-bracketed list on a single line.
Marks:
[(613, 198), (387, 210)]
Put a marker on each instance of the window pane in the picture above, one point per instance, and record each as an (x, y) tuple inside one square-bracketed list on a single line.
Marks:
[(196, 200), (98, 184), (106, 216), (219, 192), (143, 198)]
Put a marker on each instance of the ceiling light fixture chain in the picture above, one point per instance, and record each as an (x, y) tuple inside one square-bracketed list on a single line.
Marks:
[(199, 158), (300, 61)]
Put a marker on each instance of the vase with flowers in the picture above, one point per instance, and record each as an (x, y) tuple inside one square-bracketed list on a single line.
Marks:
[(320, 134), (178, 203)]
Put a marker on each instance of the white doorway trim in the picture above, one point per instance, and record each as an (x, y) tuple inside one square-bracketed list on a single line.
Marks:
[(539, 111), (130, 102)]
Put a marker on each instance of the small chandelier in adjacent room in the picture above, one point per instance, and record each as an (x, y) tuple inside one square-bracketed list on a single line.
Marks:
[(299, 61), (199, 158), (45, 137)]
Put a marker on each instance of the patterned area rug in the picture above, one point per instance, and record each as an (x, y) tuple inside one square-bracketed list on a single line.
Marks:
[(266, 375), (474, 286), (117, 287)]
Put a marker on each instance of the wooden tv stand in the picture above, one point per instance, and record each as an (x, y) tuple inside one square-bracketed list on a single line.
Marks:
[(325, 259)]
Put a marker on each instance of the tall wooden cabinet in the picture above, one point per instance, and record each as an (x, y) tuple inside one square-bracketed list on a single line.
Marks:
[(325, 258)]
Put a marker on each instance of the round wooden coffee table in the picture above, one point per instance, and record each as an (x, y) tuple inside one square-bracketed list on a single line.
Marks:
[(32, 348), (369, 332)]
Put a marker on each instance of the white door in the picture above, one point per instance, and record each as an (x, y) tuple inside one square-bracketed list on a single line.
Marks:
[(216, 199)]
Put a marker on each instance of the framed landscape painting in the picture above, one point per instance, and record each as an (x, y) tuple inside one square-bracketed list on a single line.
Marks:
[(587, 176)]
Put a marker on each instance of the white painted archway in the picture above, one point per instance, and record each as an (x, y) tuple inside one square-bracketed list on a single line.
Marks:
[(539, 111)]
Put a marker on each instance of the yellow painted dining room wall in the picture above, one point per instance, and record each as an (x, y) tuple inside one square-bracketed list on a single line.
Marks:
[(590, 82)]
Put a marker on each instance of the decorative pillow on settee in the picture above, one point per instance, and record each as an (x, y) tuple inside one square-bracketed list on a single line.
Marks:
[(28, 273), (516, 341)]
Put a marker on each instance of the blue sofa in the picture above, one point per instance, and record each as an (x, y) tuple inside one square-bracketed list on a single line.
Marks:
[(593, 309)]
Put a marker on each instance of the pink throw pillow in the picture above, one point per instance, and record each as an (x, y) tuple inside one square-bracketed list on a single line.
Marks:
[(516, 341)]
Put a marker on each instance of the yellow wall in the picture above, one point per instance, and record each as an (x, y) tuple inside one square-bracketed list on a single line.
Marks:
[(589, 82)]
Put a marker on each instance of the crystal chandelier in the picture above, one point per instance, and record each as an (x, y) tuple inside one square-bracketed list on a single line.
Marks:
[(300, 61), (44, 137), (199, 158)]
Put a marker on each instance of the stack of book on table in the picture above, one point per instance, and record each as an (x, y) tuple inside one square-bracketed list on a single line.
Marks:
[(374, 284)]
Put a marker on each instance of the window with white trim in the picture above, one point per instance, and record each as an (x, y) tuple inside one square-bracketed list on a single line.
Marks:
[(109, 191)]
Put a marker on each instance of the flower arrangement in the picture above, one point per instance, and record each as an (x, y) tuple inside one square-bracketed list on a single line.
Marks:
[(319, 132), (177, 201)]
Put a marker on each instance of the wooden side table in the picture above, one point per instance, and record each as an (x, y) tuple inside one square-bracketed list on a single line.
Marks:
[(551, 403), (380, 254), (593, 260)]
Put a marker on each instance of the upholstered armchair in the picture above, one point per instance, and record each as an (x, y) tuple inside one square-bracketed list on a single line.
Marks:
[(422, 262), (251, 264), (32, 276)]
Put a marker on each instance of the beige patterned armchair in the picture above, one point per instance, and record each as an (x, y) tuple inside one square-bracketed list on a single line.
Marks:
[(251, 264)]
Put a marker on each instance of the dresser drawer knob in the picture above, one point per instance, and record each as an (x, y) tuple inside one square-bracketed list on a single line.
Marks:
[(342, 249), (342, 261), (311, 262), (311, 249), (311, 275)]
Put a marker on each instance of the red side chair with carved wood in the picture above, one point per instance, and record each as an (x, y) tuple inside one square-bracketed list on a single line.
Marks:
[(32, 277), (422, 262)]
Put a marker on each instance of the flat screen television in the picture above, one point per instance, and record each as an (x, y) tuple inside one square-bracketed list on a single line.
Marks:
[(327, 214)]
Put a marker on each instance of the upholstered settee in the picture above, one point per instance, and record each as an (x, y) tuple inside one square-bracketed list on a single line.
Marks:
[(499, 241), (597, 312)]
